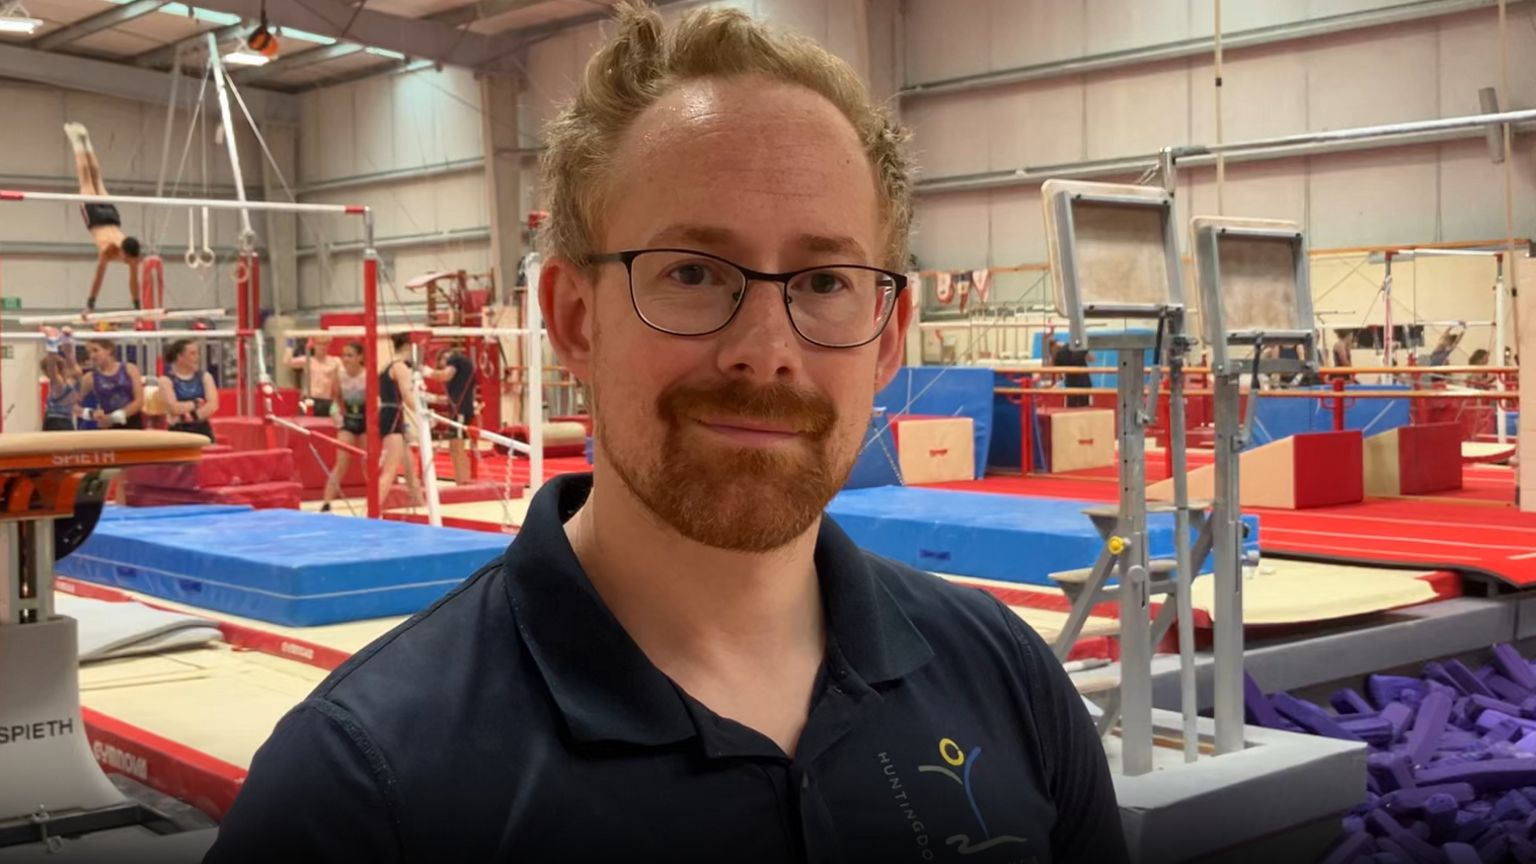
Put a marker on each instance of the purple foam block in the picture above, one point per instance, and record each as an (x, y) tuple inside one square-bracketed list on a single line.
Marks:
[(1493, 775), (1440, 817), (1493, 848), (1527, 744), (1394, 833), (1428, 727), (1399, 715), (1512, 806), (1522, 850), (1350, 847), (1528, 708), (1390, 688), (1470, 825), (1505, 731), (1466, 681), (1483, 673), (1457, 740), (1435, 673), (1513, 666), (1414, 799), (1459, 853), (1311, 717), (1490, 703), (1506, 689), (1256, 705), (1493, 717), (1348, 701), (1373, 730), (1379, 770)]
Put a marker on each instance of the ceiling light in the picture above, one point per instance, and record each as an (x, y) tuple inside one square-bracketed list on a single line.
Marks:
[(384, 52), (246, 58), (14, 18)]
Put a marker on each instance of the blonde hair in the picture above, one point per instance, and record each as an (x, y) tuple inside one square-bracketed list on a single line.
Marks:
[(644, 60)]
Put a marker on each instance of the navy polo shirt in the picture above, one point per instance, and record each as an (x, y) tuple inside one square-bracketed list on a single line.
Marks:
[(516, 721)]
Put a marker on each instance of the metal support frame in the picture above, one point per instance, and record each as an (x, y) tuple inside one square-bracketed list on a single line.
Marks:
[(1232, 432), (1124, 527)]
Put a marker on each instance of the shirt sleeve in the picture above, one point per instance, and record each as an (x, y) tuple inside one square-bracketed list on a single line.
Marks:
[(1087, 815), (317, 791)]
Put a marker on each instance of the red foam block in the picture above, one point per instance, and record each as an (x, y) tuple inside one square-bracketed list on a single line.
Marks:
[(1429, 458), (228, 468), (1329, 468), (262, 496), (241, 433)]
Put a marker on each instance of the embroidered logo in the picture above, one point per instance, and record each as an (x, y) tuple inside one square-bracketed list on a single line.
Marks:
[(957, 759)]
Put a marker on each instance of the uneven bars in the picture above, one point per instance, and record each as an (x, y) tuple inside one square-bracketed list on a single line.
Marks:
[(1472, 253), (130, 335), (125, 315), (309, 433), (356, 330), (211, 203), (488, 435)]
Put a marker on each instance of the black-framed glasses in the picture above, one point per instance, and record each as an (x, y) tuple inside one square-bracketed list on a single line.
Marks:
[(689, 293)]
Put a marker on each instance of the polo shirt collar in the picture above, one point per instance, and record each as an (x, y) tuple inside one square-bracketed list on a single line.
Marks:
[(605, 686)]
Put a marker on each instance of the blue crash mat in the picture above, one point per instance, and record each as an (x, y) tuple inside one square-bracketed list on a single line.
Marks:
[(114, 513), (283, 566), (1009, 538)]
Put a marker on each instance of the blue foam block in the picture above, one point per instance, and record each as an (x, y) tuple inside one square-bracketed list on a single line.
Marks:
[(284, 566), (876, 465), (1276, 418), (1005, 537)]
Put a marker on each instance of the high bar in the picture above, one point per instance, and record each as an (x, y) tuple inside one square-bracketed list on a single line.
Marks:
[(210, 203)]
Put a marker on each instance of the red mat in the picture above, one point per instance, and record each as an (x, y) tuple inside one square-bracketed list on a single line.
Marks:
[(1419, 533), (227, 468)]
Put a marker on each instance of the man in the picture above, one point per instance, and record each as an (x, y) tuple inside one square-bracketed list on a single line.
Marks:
[(102, 220), (457, 373), (1343, 354), (320, 369), (1066, 356), (679, 658)]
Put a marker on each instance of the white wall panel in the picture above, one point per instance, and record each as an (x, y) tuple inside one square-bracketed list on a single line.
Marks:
[(1472, 192), (1469, 60), (1029, 32), (373, 125), (1264, 94), (946, 41), (1373, 197), (1379, 76), (1034, 124), (33, 134), (1137, 113), (950, 136), (1116, 25), (952, 231), (1017, 227)]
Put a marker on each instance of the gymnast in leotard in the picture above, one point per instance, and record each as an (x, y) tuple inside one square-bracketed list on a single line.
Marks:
[(102, 220)]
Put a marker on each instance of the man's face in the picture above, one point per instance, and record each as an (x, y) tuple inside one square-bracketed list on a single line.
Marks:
[(737, 439)]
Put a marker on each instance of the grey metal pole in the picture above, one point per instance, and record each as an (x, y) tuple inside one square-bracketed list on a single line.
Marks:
[(1228, 606), (1135, 627), (246, 233)]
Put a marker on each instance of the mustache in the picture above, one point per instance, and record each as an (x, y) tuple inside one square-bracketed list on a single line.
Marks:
[(807, 411)]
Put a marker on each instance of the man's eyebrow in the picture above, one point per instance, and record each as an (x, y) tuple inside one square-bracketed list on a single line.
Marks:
[(712, 236), (707, 235), (831, 244)]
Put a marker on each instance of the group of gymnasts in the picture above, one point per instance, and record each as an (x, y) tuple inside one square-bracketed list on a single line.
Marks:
[(336, 386), (109, 393)]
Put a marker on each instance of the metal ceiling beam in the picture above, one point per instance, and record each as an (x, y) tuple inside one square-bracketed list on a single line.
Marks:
[(290, 62), (464, 15), (95, 24), (165, 55), (123, 81), (413, 37)]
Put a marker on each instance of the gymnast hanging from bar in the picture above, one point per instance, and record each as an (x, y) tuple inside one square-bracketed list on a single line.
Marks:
[(102, 220)]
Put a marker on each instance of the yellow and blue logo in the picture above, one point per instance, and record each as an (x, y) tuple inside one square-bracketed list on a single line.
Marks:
[(956, 759)]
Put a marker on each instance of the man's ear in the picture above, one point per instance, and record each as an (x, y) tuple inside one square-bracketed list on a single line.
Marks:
[(893, 341), (566, 302)]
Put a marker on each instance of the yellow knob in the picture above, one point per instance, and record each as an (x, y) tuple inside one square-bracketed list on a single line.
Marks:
[(1116, 545)]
